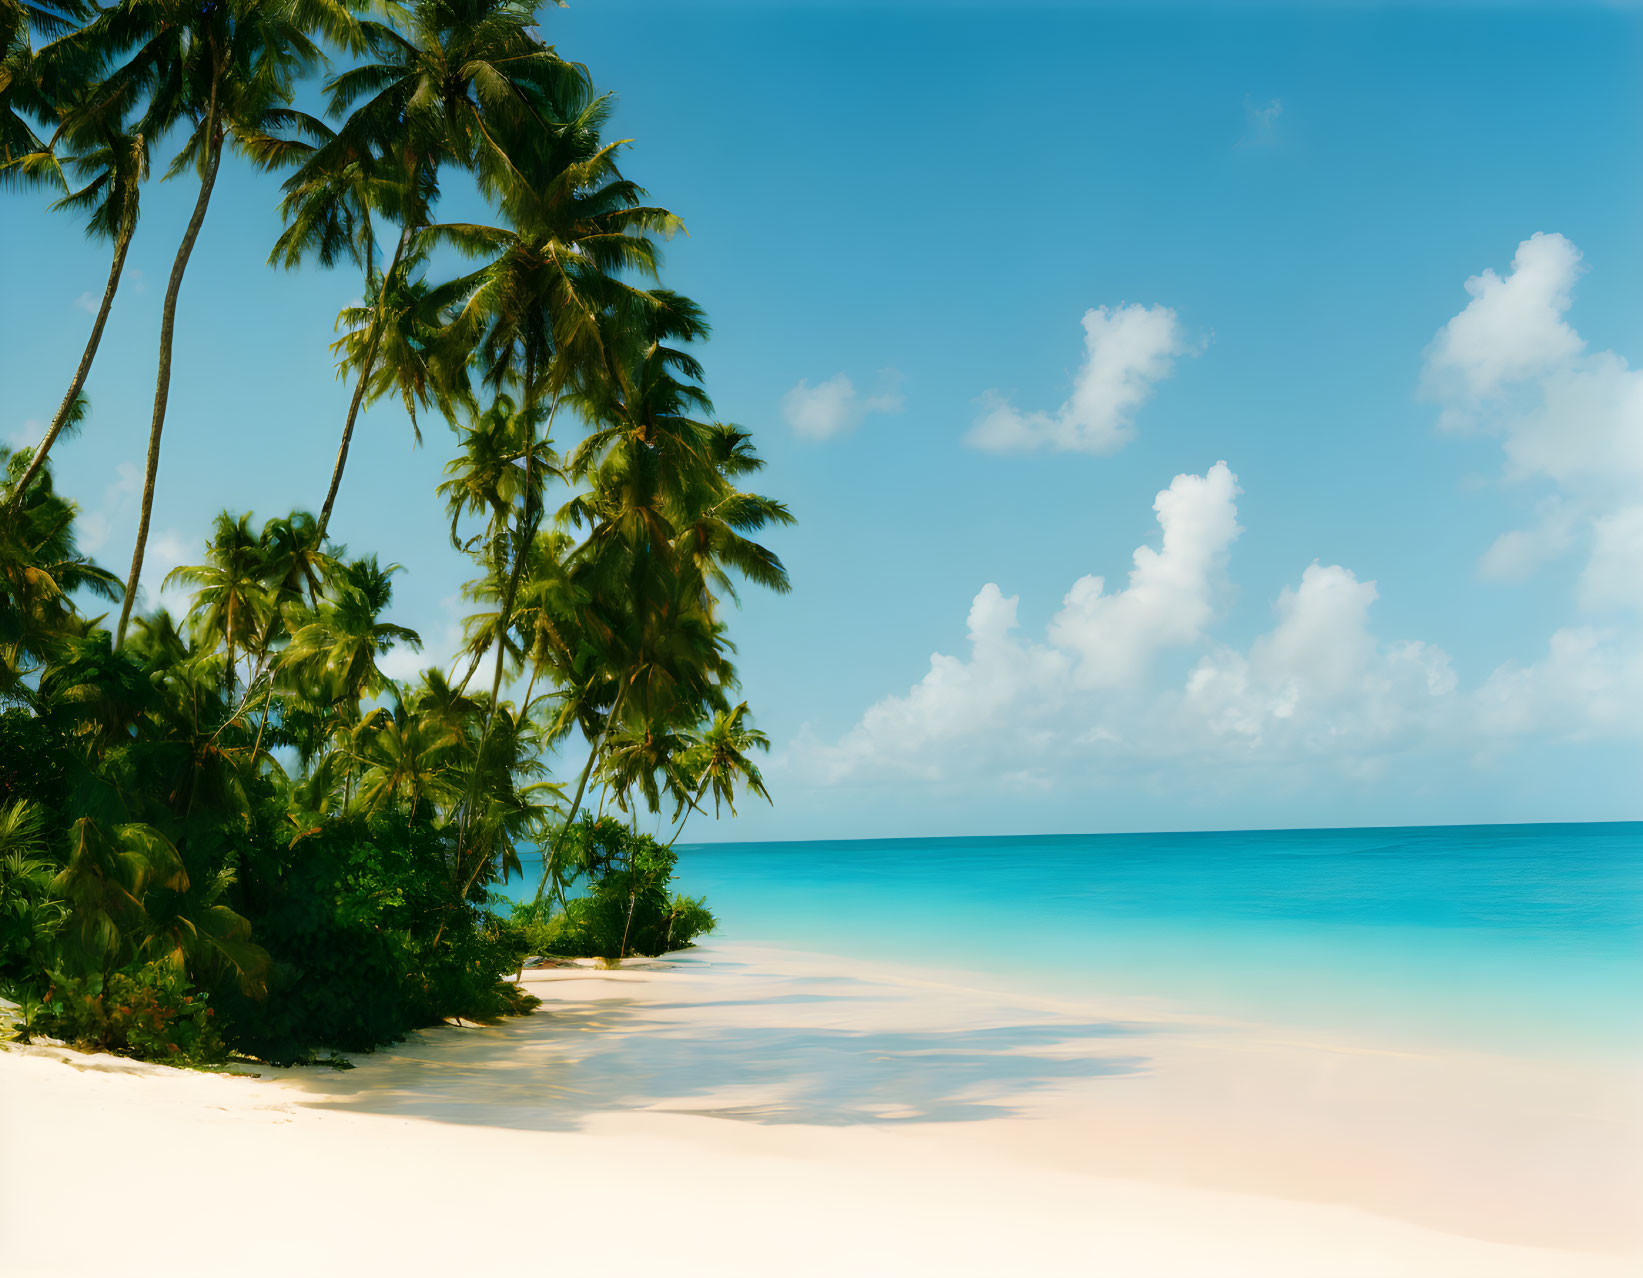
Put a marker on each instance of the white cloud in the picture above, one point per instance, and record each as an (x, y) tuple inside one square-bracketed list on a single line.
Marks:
[(1171, 590), (1517, 554), (835, 407), (1513, 328), (1319, 686), (1568, 419), (1588, 686), (1320, 692), (27, 435), (1126, 351), (406, 663), (94, 528), (168, 549), (1613, 576), (957, 701), (1261, 122), (90, 303)]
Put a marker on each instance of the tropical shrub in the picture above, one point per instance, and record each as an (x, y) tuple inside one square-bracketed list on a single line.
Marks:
[(625, 905), (363, 943), (149, 1011)]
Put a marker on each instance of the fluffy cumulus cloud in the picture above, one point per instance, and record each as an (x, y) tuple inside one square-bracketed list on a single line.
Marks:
[(1134, 681), (1587, 686), (1318, 685), (1570, 424), (1005, 682), (835, 407), (1127, 351), (1569, 420), (1171, 591)]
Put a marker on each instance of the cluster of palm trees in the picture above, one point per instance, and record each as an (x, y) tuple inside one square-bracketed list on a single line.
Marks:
[(601, 562)]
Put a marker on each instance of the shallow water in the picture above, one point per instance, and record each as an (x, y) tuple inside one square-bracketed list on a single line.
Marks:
[(1523, 938)]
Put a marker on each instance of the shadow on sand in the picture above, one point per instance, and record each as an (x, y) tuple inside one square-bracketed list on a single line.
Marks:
[(577, 1057)]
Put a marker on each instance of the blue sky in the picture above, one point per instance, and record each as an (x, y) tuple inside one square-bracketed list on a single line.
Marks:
[(1274, 213)]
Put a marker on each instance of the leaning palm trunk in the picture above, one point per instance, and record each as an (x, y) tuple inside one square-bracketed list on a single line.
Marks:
[(633, 887), (697, 798), (361, 382), (581, 787), (121, 245), (162, 380), (575, 803), (527, 530)]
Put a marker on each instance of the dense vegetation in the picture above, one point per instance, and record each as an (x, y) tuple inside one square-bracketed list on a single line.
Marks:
[(231, 830)]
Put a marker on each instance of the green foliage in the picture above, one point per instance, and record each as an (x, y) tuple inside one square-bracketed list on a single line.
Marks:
[(233, 829), (31, 913), (364, 943), (626, 908), (688, 918), (149, 1011)]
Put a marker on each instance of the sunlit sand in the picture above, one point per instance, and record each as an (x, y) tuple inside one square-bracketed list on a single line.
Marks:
[(747, 1111)]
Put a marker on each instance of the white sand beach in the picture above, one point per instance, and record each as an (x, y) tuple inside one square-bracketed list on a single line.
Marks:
[(736, 1110)]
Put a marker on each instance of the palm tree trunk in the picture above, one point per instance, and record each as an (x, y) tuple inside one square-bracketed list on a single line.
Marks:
[(521, 550), (633, 885), (633, 899), (472, 666), (162, 380), (121, 245), (581, 786), (360, 383), (527, 530), (525, 705), (266, 703), (700, 791)]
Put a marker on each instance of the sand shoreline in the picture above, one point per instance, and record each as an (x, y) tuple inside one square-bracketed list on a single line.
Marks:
[(746, 1110)]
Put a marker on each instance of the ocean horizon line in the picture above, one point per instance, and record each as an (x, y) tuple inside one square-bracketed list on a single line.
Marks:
[(1140, 833)]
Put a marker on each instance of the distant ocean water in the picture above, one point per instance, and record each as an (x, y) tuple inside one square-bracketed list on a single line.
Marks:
[(1526, 938)]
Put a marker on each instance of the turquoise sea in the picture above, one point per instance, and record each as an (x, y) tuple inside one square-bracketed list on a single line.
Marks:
[(1525, 938)]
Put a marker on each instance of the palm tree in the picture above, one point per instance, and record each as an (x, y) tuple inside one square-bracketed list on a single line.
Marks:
[(22, 96), (713, 518), (114, 164), (507, 550), (232, 603), (395, 342), (294, 558), (577, 228), (718, 758), (109, 867), (407, 757), (646, 469), (512, 802), (227, 71), (578, 225), (547, 618), (338, 645), (646, 758), (41, 568), (461, 83)]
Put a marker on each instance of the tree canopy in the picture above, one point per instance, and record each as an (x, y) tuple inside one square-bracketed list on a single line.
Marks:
[(234, 829)]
